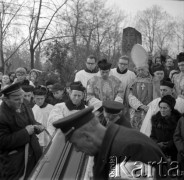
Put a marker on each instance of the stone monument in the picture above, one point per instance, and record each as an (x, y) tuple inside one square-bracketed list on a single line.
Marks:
[(130, 37)]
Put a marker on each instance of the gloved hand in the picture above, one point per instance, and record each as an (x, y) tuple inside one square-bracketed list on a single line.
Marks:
[(38, 128), (30, 129)]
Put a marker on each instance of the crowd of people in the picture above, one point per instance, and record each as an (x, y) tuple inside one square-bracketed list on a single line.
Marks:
[(148, 104)]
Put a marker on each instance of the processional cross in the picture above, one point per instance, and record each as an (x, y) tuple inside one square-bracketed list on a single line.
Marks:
[(143, 86)]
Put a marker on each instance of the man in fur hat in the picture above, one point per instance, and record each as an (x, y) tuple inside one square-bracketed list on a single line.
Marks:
[(178, 78), (158, 76), (166, 88), (104, 87)]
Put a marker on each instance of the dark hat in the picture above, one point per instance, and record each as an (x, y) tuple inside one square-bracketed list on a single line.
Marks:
[(27, 88), (104, 65), (167, 82), (13, 88), (180, 57), (169, 100), (112, 107), (77, 86), (57, 87), (157, 68), (72, 122), (40, 90), (49, 82)]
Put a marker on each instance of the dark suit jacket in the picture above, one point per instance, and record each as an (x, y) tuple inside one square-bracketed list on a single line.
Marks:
[(121, 142), (13, 138)]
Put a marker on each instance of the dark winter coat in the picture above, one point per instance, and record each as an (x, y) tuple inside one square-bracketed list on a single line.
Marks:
[(163, 130), (13, 138), (179, 140), (120, 142)]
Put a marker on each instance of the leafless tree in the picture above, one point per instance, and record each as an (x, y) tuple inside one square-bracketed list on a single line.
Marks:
[(156, 26), (42, 16), (9, 19)]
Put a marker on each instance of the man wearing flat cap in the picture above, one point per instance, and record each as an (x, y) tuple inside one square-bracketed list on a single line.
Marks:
[(166, 88), (89, 136), (72, 105), (178, 78), (113, 112), (104, 87), (19, 146)]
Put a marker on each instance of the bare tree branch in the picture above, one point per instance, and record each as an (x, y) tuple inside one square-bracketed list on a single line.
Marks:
[(23, 42), (49, 24)]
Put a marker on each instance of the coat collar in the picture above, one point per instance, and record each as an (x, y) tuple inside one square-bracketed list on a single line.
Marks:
[(72, 106), (43, 105), (93, 71), (5, 107), (166, 123), (102, 158)]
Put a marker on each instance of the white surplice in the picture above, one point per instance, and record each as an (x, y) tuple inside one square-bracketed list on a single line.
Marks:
[(84, 77), (41, 115)]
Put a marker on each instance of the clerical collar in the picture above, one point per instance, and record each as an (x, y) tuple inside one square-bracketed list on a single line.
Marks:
[(121, 72), (43, 105), (72, 106), (93, 71)]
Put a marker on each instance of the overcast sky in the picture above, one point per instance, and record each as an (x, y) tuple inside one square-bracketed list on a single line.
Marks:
[(173, 7)]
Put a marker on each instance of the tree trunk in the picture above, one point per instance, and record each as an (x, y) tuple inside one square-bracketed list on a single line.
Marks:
[(32, 57), (1, 48), (2, 60)]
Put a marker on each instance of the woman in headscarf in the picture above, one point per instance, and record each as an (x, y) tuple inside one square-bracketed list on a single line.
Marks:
[(34, 75), (164, 124)]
